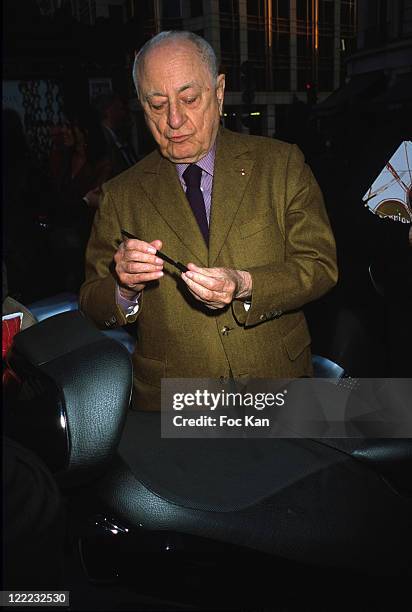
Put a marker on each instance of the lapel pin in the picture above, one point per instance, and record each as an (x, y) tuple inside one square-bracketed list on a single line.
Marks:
[(242, 172)]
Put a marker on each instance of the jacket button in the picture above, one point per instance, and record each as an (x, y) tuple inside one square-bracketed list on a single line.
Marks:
[(225, 330)]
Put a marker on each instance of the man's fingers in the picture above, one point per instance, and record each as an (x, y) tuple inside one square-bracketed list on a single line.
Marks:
[(139, 257), (136, 263), (216, 287), (140, 251), (198, 288), (157, 244), (213, 272), (133, 244), (137, 268), (199, 298), (210, 305), (215, 279), (130, 280), (209, 282), (206, 295), (126, 253)]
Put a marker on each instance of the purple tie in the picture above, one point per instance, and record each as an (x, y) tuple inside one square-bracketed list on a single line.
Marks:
[(191, 177)]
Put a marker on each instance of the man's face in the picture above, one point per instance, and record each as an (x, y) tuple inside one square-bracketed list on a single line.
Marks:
[(181, 101)]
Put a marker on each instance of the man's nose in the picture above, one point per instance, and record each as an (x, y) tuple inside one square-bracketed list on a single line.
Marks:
[(176, 116)]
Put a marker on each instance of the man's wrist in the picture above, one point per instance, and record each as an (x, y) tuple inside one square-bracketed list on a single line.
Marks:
[(244, 291), (129, 294)]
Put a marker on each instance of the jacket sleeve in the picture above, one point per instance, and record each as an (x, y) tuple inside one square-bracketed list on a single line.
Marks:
[(98, 292), (309, 268)]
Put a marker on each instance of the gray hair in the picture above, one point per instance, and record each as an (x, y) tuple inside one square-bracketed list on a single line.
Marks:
[(205, 51)]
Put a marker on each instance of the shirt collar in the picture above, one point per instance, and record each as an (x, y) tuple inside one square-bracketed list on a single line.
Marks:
[(207, 163)]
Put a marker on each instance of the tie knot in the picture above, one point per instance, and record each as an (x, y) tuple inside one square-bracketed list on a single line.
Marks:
[(192, 176)]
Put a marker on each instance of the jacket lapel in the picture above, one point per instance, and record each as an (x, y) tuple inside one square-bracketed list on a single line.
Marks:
[(233, 167), (163, 188)]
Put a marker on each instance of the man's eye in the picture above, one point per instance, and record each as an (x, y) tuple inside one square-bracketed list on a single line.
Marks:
[(158, 106), (189, 100)]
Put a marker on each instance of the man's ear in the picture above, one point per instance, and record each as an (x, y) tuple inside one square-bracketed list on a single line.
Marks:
[(220, 91)]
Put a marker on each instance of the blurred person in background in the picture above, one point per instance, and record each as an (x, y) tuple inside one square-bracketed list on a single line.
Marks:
[(115, 121), (78, 166)]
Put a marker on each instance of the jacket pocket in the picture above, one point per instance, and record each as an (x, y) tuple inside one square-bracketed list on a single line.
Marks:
[(150, 371), (257, 224), (297, 340)]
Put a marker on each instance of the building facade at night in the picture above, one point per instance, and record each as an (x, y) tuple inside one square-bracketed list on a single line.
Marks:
[(275, 53), (378, 85), (270, 50)]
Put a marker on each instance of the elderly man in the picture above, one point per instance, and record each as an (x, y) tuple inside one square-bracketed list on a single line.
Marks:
[(243, 213)]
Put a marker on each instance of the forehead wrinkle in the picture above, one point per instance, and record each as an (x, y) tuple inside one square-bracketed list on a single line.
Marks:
[(188, 86), (151, 94)]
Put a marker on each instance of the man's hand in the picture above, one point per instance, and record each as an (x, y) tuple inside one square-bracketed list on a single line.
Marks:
[(217, 287), (136, 265)]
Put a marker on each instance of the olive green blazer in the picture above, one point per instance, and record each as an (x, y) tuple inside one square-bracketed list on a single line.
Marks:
[(267, 217)]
